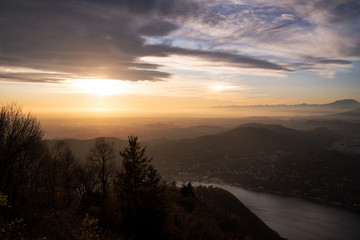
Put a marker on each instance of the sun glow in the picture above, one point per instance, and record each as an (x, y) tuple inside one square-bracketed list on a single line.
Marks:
[(219, 88), (101, 87)]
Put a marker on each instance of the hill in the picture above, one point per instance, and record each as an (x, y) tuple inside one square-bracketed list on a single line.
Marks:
[(267, 158), (162, 131), (247, 139), (303, 109), (355, 112), (345, 103), (353, 115), (338, 126), (230, 204), (211, 214)]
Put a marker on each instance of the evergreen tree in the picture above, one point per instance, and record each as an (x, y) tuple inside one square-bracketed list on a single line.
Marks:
[(141, 193)]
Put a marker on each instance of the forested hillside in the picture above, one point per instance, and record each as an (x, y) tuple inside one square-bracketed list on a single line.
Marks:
[(47, 193), (316, 164)]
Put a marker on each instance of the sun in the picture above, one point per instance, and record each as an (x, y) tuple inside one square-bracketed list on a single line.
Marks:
[(101, 87), (219, 88)]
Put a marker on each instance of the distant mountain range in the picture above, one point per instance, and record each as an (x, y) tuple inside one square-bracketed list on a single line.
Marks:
[(352, 113), (245, 140), (338, 126), (344, 103), (183, 132), (250, 138)]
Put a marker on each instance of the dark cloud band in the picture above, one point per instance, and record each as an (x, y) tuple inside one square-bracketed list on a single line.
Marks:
[(102, 38)]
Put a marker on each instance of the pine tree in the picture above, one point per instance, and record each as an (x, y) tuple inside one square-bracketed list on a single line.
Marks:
[(141, 193)]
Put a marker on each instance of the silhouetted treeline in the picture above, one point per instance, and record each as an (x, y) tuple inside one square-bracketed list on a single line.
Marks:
[(46, 193)]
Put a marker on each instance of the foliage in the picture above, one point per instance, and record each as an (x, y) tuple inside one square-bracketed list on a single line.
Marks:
[(141, 193), (9, 229), (58, 171), (3, 200), (88, 230), (21, 147), (85, 185), (187, 190)]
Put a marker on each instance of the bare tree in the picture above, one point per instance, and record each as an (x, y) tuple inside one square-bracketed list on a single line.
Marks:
[(60, 166), (85, 184), (100, 157), (21, 147)]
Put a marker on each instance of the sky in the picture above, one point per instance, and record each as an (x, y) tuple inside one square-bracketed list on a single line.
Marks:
[(176, 57)]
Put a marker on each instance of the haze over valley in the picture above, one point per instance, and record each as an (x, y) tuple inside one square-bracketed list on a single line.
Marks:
[(298, 156)]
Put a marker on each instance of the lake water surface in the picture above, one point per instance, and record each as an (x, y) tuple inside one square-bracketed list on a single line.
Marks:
[(297, 219)]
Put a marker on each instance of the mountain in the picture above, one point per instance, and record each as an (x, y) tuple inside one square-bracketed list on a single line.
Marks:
[(245, 140), (267, 157), (345, 103), (229, 203), (337, 126), (352, 115), (355, 113), (254, 137), (163, 132)]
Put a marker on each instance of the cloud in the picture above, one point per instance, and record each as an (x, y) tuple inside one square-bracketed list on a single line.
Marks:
[(157, 28), (345, 11), (228, 59), (32, 77), (287, 31), (102, 38), (107, 38), (335, 61), (286, 16)]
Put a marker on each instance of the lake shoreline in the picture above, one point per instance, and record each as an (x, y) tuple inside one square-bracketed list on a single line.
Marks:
[(295, 218), (310, 199), (285, 194)]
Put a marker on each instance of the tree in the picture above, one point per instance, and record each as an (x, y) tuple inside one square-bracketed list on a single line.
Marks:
[(100, 157), (88, 229), (60, 165), (85, 185), (21, 148), (187, 190), (9, 228), (141, 193)]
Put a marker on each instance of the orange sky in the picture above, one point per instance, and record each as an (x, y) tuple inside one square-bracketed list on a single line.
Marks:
[(138, 100), (178, 58)]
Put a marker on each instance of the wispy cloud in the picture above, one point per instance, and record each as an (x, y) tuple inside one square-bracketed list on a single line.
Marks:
[(289, 31), (108, 39)]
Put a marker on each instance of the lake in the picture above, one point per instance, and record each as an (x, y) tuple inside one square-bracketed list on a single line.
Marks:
[(297, 219)]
